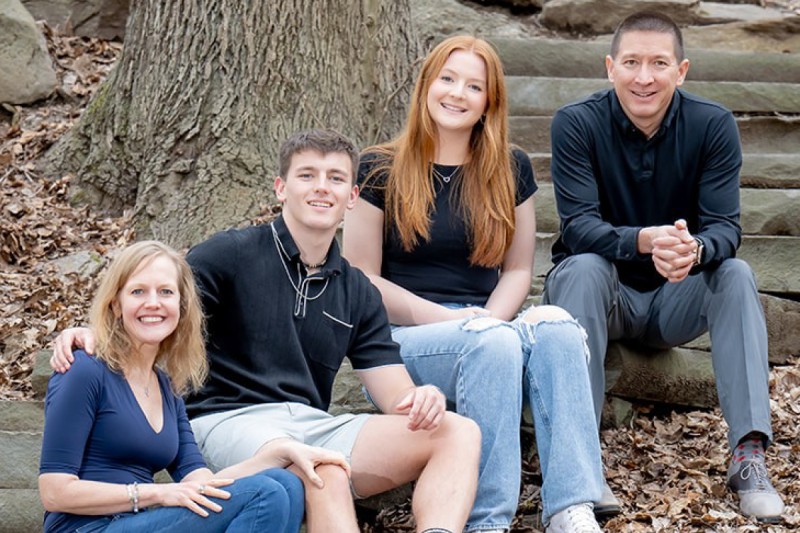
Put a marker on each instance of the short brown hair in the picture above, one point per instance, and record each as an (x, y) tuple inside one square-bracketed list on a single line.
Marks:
[(323, 141), (649, 21)]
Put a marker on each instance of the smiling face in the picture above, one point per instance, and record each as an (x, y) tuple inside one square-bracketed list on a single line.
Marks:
[(317, 190), (149, 303), (645, 74), (456, 98)]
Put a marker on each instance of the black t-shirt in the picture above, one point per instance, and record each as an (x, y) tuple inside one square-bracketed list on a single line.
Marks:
[(267, 344), (439, 269)]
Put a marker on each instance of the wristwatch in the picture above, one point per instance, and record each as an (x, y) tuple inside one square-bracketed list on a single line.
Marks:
[(698, 253)]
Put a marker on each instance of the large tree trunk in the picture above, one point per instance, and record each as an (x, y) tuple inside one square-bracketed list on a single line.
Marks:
[(186, 129)]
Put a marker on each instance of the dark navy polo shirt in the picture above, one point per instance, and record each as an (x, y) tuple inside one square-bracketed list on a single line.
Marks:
[(611, 181), (268, 344), (439, 269)]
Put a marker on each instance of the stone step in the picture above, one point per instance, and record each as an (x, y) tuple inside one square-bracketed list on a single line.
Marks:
[(41, 374), (678, 376), (762, 135), (764, 211), (783, 329), (772, 171), (543, 96), (21, 511), (23, 415), (19, 468), (773, 259), (586, 59)]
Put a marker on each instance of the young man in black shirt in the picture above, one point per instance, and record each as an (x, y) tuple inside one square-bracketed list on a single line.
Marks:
[(283, 310), (647, 185)]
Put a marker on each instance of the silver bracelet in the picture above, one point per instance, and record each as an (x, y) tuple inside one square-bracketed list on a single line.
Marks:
[(130, 493), (135, 499)]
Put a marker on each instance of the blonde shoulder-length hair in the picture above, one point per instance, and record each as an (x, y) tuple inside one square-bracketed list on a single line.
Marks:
[(182, 355), (486, 192)]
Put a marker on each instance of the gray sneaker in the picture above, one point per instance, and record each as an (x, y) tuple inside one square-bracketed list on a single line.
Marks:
[(757, 497), (608, 504), (575, 519)]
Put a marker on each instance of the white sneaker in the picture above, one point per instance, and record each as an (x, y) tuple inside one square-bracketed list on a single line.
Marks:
[(575, 519)]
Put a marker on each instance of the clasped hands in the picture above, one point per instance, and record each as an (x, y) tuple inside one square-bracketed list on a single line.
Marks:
[(673, 250)]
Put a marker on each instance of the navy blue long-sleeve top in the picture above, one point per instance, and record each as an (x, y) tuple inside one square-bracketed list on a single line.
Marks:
[(611, 181)]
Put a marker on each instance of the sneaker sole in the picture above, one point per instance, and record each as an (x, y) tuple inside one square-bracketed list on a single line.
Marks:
[(607, 511)]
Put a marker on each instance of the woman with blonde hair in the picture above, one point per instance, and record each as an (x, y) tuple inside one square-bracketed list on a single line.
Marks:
[(117, 418), (445, 228)]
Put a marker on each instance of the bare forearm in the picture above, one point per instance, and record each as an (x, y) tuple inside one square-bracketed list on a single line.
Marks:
[(84, 497), (274, 454), (407, 309), (510, 293)]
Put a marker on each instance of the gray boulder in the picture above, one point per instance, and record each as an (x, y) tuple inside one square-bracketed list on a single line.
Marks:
[(105, 19), (774, 35), (602, 16), (26, 71), (436, 19)]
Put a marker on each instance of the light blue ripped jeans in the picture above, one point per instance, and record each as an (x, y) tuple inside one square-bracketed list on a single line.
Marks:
[(484, 366)]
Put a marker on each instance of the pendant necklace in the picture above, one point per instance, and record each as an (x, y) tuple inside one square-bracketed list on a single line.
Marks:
[(445, 177)]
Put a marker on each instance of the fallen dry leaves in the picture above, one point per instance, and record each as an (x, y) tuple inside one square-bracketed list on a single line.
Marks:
[(668, 468)]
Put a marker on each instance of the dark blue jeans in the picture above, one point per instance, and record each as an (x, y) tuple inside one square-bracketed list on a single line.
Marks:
[(270, 501)]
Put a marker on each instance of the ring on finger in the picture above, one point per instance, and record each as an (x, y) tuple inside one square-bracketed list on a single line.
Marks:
[(202, 489)]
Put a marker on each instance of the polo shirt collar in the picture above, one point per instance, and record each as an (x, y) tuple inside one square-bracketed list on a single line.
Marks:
[(333, 265), (629, 128)]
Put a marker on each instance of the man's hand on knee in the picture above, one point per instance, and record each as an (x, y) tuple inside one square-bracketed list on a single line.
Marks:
[(425, 407)]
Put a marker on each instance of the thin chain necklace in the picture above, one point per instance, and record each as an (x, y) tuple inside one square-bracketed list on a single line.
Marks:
[(146, 387), (301, 290), (316, 265), (445, 177)]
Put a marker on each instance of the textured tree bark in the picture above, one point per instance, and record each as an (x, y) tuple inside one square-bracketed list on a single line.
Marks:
[(186, 129)]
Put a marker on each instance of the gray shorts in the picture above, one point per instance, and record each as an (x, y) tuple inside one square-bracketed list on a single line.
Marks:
[(230, 437)]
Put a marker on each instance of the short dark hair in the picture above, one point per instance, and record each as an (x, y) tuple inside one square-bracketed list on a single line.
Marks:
[(649, 21), (324, 141)]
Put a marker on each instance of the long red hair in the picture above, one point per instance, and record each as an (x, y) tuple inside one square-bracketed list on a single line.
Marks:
[(486, 191)]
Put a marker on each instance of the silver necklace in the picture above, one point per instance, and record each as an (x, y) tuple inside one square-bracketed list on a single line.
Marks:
[(443, 177), (301, 290)]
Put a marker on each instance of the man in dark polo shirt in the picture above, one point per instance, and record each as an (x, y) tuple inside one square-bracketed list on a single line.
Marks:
[(283, 310), (647, 185)]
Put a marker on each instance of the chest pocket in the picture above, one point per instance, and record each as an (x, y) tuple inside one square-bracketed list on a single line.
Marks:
[(327, 345)]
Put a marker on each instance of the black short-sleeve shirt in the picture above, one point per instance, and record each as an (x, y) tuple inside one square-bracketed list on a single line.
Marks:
[(268, 344), (439, 269)]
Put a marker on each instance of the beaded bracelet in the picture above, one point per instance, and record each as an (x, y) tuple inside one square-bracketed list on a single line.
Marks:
[(133, 496)]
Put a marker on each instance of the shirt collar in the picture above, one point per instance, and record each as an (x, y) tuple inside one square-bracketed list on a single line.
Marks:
[(332, 266), (629, 128)]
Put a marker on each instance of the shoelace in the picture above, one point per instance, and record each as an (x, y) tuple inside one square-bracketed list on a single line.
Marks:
[(582, 519), (759, 471)]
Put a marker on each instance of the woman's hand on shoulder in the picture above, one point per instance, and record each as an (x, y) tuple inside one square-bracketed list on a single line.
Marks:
[(194, 495)]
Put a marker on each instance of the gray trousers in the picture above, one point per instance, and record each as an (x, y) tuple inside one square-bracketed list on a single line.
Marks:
[(723, 301)]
